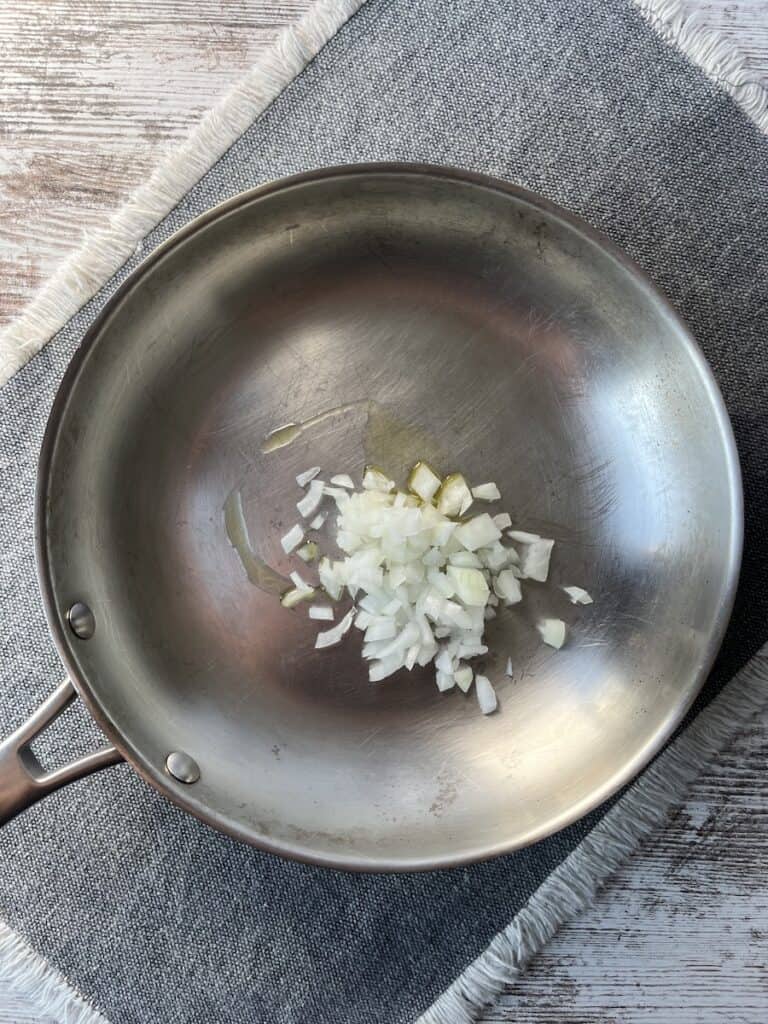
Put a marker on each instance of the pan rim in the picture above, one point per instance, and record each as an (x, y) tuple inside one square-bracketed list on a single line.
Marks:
[(303, 852)]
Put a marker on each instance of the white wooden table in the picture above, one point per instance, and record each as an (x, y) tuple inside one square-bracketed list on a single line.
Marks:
[(91, 93)]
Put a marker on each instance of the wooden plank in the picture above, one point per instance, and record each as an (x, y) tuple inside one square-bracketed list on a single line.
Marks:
[(90, 96), (681, 933)]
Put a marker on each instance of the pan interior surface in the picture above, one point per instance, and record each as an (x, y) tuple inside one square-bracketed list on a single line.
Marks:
[(409, 315)]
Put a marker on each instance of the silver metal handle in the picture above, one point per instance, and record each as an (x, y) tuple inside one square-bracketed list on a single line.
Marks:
[(22, 779)]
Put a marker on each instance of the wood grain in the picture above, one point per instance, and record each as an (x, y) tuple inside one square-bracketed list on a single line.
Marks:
[(681, 933), (91, 93)]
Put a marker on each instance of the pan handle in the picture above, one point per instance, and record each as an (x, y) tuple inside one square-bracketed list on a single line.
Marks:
[(22, 779)]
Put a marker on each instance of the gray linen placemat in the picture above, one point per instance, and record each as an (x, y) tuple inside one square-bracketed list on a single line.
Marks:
[(149, 913)]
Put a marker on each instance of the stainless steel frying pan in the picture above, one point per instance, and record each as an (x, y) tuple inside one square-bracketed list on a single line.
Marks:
[(392, 313)]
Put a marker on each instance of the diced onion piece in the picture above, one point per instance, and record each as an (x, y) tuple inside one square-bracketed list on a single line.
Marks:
[(472, 650), (381, 629), (509, 667), (343, 480), (296, 595), (318, 521), (442, 582), (321, 611), (299, 582), (308, 552), (375, 480), (522, 537), (534, 561), (490, 612), (339, 495), (332, 636), (445, 681), (552, 632), (507, 586), (384, 667), (444, 661), (503, 520), (486, 695), (453, 612), (463, 676), (291, 540), (309, 503), (423, 481), (486, 492), (470, 585), (577, 595), (478, 532), (434, 558), (454, 496), (465, 560), (304, 478), (330, 578), (496, 556)]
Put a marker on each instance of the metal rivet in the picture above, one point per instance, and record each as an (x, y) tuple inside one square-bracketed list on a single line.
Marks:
[(182, 767), (81, 620)]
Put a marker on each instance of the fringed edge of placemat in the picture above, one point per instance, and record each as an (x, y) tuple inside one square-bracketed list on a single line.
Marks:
[(572, 886), (24, 973), (102, 253), (716, 55)]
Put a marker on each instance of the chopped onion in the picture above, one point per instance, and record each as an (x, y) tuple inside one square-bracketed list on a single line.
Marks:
[(299, 583), (425, 582), (343, 480), (444, 662), (293, 597), (478, 532), (304, 478), (522, 537), (385, 667), (507, 586), (442, 582), (292, 539), (321, 611), (534, 561), (339, 494), (496, 556), (552, 632), (423, 481), (445, 681), (470, 585), (309, 503), (486, 492), (381, 629), (308, 552), (375, 480), (332, 636), (465, 560), (486, 695), (463, 676), (454, 496), (331, 578)]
